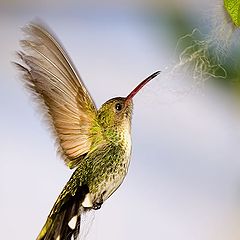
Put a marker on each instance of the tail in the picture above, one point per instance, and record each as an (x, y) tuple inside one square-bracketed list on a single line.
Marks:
[(63, 222)]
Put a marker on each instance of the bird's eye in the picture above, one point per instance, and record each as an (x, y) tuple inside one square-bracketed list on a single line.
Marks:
[(118, 106)]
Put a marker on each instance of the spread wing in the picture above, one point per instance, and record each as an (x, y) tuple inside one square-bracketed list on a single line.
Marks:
[(50, 75)]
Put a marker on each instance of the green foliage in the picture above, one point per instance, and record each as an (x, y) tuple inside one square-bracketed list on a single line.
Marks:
[(233, 9)]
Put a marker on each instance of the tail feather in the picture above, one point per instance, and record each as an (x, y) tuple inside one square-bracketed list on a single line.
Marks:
[(63, 222)]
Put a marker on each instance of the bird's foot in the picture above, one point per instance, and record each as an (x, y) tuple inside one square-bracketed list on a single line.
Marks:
[(97, 205)]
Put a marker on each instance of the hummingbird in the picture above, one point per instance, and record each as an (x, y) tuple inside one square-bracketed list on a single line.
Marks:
[(94, 142)]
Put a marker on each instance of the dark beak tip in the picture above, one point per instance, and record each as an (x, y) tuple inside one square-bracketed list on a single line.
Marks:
[(156, 73)]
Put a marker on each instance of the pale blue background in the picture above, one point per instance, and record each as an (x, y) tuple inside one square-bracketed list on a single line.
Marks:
[(184, 178)]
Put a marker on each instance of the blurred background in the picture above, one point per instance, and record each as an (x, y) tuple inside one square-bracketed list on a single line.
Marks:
[(184, 177)]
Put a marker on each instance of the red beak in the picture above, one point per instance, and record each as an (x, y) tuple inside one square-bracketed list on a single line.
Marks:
[(140, 85)]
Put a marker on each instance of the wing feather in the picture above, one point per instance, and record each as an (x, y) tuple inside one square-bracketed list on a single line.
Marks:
[(50, 75)]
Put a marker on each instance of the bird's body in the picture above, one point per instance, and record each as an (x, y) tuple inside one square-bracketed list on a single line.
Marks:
[(99, 173), (97, 143), (96, 177)]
